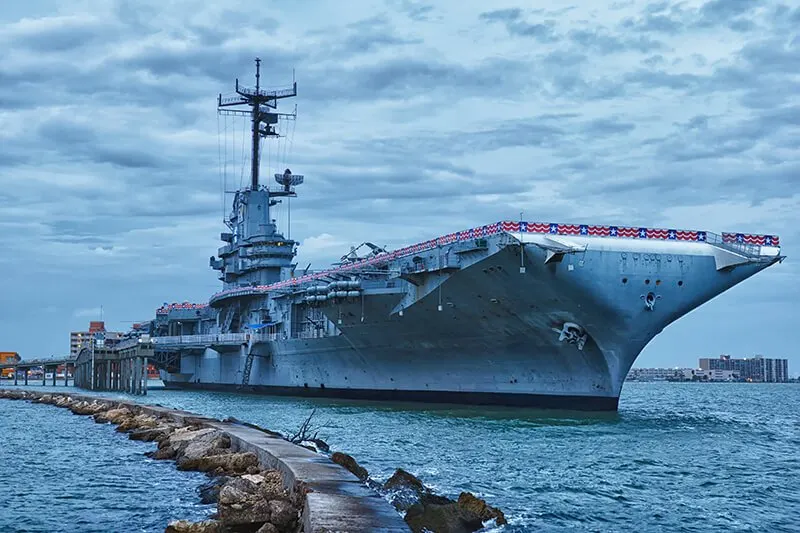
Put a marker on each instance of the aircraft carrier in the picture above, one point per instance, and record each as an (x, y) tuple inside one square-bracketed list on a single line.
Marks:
[(509, 313)]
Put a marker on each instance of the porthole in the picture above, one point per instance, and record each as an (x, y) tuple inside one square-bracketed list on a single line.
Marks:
[(680, 283), (624, 280), (647, 282), (658, 282)]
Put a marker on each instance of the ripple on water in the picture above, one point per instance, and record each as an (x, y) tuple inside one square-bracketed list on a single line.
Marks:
[(677, 457), (63, 472)]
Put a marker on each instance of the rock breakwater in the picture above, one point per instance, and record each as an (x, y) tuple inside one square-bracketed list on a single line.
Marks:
[(261, 482), (250, 496), (424, 510)]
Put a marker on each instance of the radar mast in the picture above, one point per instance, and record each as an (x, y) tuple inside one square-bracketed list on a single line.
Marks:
[(256, 253), (261, 102)]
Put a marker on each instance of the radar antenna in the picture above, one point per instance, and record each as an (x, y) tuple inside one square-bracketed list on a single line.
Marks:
[(261, 102)]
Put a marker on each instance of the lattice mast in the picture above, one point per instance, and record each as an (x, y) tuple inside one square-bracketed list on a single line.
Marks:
[(263, 119)]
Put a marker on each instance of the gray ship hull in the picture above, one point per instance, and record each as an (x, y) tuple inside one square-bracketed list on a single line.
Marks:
[(533, 401), (487, 333)]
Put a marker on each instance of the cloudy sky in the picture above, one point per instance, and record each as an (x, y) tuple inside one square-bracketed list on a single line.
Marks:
[(415, 119)]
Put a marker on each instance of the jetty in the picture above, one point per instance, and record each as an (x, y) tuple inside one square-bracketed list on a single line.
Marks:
[(313, 491), (265, 482)]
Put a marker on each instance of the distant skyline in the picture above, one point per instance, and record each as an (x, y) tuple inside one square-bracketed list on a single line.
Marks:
[(414, 120)]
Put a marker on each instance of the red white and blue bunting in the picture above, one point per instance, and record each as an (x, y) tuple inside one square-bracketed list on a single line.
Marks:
[(747, 238), (550, 228)]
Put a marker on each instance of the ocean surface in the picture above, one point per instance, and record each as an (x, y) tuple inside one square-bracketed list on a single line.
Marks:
[(62, 472), (677, 457)]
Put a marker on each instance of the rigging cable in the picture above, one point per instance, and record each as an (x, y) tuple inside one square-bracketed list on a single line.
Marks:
[(244, 157), (285, 162), (291, 136), (225, 167), (219, 164), (289, 200), (278, 162), (269, 157), (233, 149)]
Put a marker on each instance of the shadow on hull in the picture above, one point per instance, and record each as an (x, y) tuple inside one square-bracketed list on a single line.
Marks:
[(448, 398)]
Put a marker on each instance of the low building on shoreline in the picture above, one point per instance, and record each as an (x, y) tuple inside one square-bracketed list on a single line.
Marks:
[(699, 374), (656, 374), (757, 369)]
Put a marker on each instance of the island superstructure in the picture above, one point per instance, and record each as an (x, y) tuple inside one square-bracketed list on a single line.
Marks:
[(510, 313)]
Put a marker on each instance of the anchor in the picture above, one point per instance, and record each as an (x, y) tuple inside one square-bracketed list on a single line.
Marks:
[(572, 333)]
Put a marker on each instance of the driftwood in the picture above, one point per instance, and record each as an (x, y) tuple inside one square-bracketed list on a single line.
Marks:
[(306, 432)]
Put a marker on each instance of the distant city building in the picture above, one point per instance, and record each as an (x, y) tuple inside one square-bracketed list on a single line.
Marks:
[(656, 374), (79, 339), (696, 374), (756, 368)]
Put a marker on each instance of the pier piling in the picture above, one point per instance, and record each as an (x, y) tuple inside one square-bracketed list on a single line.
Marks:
[(122, 368)]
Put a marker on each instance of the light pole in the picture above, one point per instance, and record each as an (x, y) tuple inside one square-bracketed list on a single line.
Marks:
[(180, 332), (91, 347)]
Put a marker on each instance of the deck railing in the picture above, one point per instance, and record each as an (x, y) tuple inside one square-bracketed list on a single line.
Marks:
[(752, 250), (211, 339), (742, 243)]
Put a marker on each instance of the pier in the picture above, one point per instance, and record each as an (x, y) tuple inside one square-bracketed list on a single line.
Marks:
[(122, 367), (27, 365)]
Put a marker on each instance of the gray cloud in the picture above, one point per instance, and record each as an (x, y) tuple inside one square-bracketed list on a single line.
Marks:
[(722, 11), (676, 18), (404, 77), (417, 11), (605, 43), (362, 37), (513, 21)]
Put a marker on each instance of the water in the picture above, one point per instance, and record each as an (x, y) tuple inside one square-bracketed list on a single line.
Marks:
[(677, 457), (62, 472)]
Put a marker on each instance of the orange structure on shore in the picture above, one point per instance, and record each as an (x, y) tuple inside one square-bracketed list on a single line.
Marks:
[(7, 358)]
